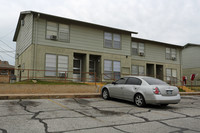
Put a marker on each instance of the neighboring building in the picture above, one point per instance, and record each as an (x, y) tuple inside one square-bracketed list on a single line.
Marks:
[(191, 62), (6, 71), (69, 49), (156, 59)]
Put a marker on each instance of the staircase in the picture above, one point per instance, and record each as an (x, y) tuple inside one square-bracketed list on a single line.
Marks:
[(186, 89), (99, 85)]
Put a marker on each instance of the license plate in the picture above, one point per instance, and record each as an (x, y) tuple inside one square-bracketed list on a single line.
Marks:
[(169, 92)]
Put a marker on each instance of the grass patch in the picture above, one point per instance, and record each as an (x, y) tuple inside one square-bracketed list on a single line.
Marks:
[(49, 82), (197, 89), (181, 90)]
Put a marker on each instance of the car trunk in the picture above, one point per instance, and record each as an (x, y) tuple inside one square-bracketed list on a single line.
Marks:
[(168, 90)]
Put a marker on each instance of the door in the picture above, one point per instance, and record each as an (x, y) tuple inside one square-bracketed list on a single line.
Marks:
[(116, 89), (92, 70), (77, 70), (131, 87)]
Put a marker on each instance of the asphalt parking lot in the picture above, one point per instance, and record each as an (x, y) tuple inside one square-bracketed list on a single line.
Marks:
[(87, 115)]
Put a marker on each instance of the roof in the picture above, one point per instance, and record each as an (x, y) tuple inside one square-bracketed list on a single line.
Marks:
[(152, 41), (191, 44), (5, 64), (62, 19)]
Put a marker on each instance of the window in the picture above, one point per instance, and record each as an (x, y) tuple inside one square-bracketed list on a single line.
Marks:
[(137, 49), (62, 65), (52, 30), (134, 48), (137, 70), (50, 65), (121, 81), (112, 69), (116, 41), (171, 53), (171, 75), (153, 81), (116, 69), (57, 31), (134, 81), (107, 69), (112, 40), (141, 48), (56, 63), (63, 33)]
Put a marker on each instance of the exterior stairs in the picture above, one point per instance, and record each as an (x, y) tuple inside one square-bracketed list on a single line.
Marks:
[(186, 89)]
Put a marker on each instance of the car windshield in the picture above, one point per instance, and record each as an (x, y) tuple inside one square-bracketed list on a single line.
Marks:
[(153, 81)]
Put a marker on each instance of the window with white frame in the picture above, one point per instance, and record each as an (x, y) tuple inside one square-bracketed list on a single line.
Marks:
[(170, 53), (56, 31), (62, 65), (137, 70), (171, 75), (116, 41), (112, 40), (116, 69), (54, 63), (141, 49), (137, 49), (52, 30), (112, 69), (107, 69), (134, 49), (50, 65)]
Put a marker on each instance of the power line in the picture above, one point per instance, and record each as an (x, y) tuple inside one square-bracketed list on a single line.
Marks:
[(6, 44), (7, 34), (1, 57), (6, 53)]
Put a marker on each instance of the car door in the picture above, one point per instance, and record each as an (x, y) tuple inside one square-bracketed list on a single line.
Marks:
[(116, 90), (131, 86)]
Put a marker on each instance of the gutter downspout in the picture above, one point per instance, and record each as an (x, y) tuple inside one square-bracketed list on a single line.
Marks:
[(35, 46)]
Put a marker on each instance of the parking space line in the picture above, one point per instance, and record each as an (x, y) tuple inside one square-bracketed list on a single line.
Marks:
[(61, 105)]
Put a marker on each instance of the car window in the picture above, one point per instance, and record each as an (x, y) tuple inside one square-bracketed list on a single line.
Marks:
[(134, 81), (153, 81), (121, 81)]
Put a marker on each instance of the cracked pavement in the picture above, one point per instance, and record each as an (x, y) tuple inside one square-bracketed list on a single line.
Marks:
[(87, 115)]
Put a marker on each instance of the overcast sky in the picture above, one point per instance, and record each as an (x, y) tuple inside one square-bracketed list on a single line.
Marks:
[(171, 21)]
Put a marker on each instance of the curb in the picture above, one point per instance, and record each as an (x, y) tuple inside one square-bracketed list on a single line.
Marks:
[(189, 93), (66, 95), (48, 96)]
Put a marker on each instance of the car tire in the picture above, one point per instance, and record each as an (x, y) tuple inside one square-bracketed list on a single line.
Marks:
[(163, 105), (105, 94), (139, 100)]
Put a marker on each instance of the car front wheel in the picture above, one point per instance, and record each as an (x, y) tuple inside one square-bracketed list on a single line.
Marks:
[(105, 94), (139, 100)]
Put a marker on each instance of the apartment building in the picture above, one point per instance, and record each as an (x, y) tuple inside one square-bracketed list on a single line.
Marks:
[(156, 59), (81, 51), (191, 62)]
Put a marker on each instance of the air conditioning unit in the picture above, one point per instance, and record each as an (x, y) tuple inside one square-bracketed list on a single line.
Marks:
[(173, 58), (61, 75), (141, 54), (53, 37)]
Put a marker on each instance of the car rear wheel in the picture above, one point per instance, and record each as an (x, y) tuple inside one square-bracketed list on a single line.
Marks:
[(105, 94), (139, 100)]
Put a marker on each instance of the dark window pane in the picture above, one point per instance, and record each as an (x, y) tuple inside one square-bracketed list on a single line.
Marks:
[(153, 81), (134, 81)]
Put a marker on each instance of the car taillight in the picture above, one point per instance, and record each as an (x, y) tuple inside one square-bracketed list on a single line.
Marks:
[(156, 90)]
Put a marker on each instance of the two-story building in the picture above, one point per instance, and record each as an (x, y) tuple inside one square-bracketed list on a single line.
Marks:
[(156, 59), (191, 62), (55, 47)]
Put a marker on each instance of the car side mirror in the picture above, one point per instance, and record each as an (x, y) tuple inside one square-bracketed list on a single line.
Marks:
[(114, 83)]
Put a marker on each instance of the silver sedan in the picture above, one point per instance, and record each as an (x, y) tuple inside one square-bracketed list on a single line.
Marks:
[(142, 90)]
